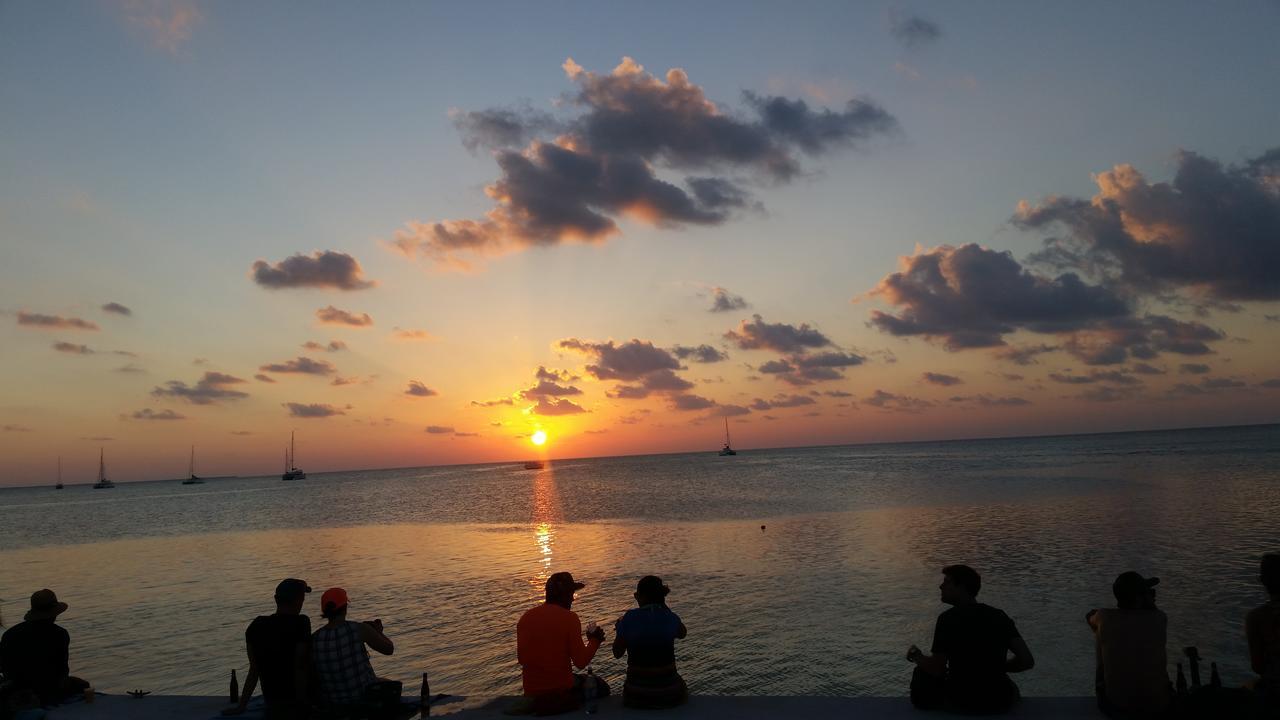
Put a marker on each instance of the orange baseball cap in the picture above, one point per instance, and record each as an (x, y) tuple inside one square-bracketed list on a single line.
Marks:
[(333, 599)]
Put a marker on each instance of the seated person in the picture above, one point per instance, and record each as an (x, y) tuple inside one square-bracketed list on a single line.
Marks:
[(1133, 679), (968, 669), (341, 661), (1262, 628), (34, 654), (647, 635), (279, 647), (549, 643)]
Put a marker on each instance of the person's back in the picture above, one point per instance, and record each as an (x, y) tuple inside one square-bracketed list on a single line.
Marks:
[(275, 641), (544, 642), (1262, 629), (342, 663), (647, 635), (1131, 649), (975, 639), (33, 655)]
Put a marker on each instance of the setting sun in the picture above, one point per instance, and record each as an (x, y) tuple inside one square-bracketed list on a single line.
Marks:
[(538, 437)]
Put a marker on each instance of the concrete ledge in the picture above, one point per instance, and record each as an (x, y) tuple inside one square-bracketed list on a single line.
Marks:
[(701, 707)]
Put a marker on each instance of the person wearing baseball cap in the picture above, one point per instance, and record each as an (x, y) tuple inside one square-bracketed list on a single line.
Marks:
[(342, 662), (34, 654), (279, 648), (647, 635), (1262, 629), (1131, 677), (549, 644)]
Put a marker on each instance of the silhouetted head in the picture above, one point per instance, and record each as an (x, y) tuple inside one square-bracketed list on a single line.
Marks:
[(333, 603), (960, 584), (560, 589), (1134, 592), (45, 606), (650, 590), (1270, 573), (290, 594)]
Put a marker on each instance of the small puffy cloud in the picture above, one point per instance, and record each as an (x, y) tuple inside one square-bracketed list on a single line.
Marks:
[(264, 378), (991, 401), (757, 334), (466, 434), (837, 393), (331, 315), (665, 381), (440, 429), (776, 367), (627, 392), (339, 381), (502, 128), (628, 361), (72, 348), (1115, 377), (210, 389), (556, 406), (1193, 368), (417, 389), (409, 334), (333, 346), (493, 403), (913, 31), (934, 378), (1023, 354), (1145, 369), (18, 428), (549, 388), (131, 369), (167, 23), (116, 308), (149, 414), (782, 401), (553, 375), (53, 322), (312, 410), (729, 411), (324, 269), (724, 301), (899, 403), (301, 365), (700, 353), (690, 402), (827, 360)]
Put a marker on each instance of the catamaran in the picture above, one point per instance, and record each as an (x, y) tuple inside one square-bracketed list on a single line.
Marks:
[(291, 469), (727, 450), (103, 483), (191, 471)]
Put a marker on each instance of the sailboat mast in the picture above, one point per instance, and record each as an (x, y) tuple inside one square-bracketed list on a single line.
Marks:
[(102, 466), (191, 467), (726, 432), (293, 452)]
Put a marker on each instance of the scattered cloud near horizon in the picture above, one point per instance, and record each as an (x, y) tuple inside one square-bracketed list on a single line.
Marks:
[(913, 31), (116, 309), (324, 269), (331, 315), (53, 322), (312, 410), (149, 414), (211, 389)]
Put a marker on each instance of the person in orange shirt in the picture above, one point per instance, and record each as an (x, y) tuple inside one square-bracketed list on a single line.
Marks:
[(548, 641)]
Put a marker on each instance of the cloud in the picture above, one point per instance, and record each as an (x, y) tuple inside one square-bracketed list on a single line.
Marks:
[(116, 308), (331, 315), (554, 406), (913, 31), (690, 402), (312, 410), (899, 403), (241, 432), (1096, 376), (406, 334), (601, 164), (1214, 229), (665, 381), (827, 360), (724, 301), (131, 369), (168, 23), (466, 434), (701, 353), (782, 401), (941, 379), (149, 414), (1111, 342), (631, 360), (1193, 368), (1023, 354), (837, 393), (333, 346), (210, 389), (991, 401), (417, 389), (757, 334), (324, 269), (18, 428), (301, 365), (340, 381), (627, 392), (264, 378), (970, 297), (493, 403), (1271, 383), (548, 388), (1145, 369), (729, 411), (776, 367), (53, 322), (440, 429), (552, 375), (72, 348)]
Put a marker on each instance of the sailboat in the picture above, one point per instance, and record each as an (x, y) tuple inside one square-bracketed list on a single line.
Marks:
[(103, 483), (59, 485), (291, 469), (191, 471), (727, 450)]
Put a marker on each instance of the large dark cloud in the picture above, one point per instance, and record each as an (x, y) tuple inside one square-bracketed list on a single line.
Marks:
[(312, 410), (602, 163), (549, 388), (970, 296), (556, 406), (301, 365), (756, 334), (211, 389), (1214, 228), (1112, 342), (629, 361), (330, 315), (912, 30), (323, 269), (700, 353), (53, 322), (690, 402), (116, 308)]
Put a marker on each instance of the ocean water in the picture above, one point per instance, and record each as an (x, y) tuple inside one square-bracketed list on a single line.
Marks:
[(801, 571)]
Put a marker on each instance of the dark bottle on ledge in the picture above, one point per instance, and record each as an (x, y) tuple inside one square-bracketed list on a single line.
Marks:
[(425, 706), (235, 688), (1182, 681)]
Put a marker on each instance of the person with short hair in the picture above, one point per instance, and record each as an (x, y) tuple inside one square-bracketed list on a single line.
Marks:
[(342, 662), (549, 644), (969, 665), (1132, 668), (35, 653), (1262, 628), (647, 635), (279, 647)]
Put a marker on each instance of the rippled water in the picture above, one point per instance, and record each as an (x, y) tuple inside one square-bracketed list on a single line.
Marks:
[(162, 578)]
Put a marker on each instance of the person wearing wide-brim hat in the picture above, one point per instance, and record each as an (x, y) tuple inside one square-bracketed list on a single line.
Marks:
[(34, 654)]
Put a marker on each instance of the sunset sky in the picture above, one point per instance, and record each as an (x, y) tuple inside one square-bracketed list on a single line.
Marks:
[(417, 233)]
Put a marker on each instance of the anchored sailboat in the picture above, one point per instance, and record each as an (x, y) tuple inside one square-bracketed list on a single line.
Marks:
[(59, 485), (191, 471), (291, 469), (727, 449), (103, 483)]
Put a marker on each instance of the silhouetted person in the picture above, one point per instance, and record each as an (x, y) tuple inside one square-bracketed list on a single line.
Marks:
[(647, 635), (342, 664), (969, 665), (548, 645), (1262, 628), (35, 653), (279, 647), (1132, 678)]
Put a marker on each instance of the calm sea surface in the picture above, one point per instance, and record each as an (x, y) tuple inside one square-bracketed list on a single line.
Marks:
[(163, 578)]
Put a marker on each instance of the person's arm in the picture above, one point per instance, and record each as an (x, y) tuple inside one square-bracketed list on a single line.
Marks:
[(935, 664), (1022, 659), (681, 631), (250, 684), (1253, 633), (64, 654), (581, 653), (371, 633), (619, 646)]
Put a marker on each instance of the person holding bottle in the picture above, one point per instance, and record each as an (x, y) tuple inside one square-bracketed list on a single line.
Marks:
[(549, 645)]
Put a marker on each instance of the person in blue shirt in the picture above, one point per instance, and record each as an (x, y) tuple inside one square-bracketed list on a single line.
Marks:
[(647, 636)]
